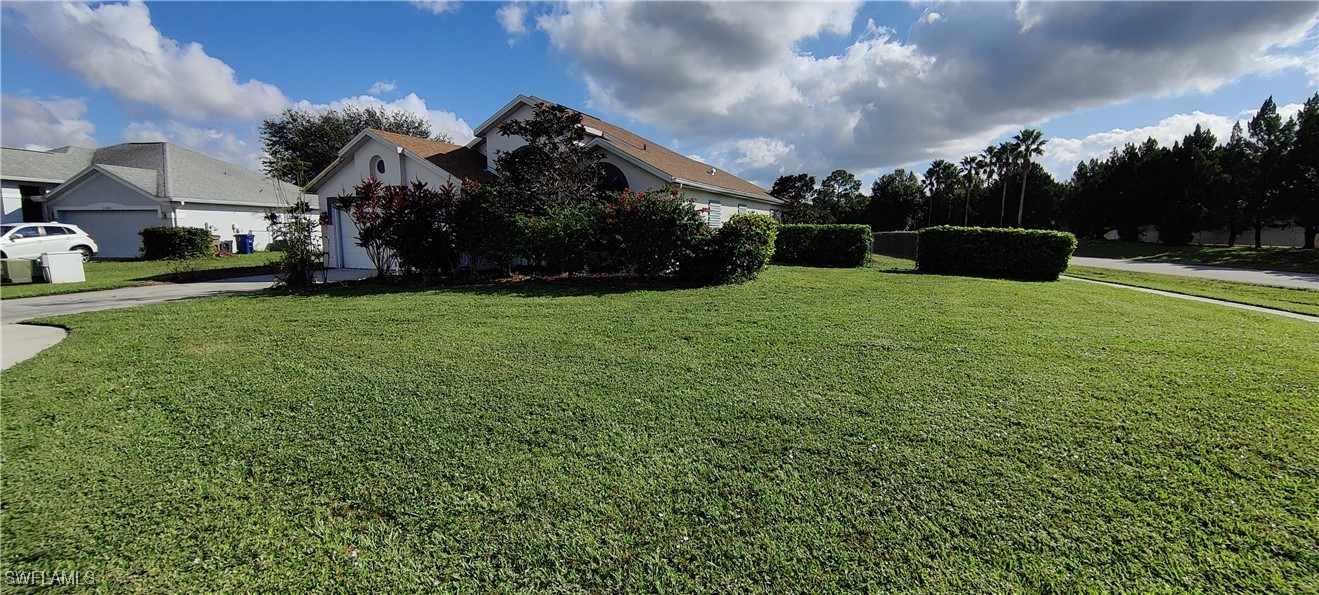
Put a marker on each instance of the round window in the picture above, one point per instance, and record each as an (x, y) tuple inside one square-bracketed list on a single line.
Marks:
[(377, 166), (380, 165)]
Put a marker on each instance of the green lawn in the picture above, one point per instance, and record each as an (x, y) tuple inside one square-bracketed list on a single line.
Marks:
[(1304, 301), (815, 430), (110, 274), (1265, 259)]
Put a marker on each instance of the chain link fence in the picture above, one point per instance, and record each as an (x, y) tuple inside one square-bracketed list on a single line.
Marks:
[(896, 244)]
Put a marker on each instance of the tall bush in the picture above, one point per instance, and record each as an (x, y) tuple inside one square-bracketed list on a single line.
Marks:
[(160, 243), (563, 240), (1026, 254), (824, 245), (295, 228), (652, 231)]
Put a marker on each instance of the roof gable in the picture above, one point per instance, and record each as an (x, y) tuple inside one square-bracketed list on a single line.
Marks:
[(643, 152)]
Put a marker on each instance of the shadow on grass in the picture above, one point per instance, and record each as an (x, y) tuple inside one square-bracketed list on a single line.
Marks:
[(199, 276), (517, 286)]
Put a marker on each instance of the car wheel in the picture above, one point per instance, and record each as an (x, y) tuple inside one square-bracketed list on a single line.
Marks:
[(86, 253)]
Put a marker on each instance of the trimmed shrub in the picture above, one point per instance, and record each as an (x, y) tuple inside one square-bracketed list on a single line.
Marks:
[(1026, 254), (652, 231), (564, 239), (743, 247), (823, 245), (160, 243)]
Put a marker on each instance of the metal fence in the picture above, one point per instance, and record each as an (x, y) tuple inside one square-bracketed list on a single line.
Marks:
[(896, 244)]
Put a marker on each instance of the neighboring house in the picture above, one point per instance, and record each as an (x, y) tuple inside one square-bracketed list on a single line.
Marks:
[(630, 161), (113, 192)]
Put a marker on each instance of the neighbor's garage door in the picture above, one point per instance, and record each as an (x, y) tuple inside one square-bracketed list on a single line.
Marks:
[(115, 231)]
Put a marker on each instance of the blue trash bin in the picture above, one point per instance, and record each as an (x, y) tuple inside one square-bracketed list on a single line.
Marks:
[(244, 243)]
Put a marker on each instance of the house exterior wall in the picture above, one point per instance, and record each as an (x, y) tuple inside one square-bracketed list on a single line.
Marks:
[(103, 193), (226, 221), (496, 143), (339, 239)]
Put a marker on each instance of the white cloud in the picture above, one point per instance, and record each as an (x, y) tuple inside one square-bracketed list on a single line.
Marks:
[(709, 72), (513, 18), (440, 121), (761, 152), (41, 124), (115, 46), (222, 144), (381, 87), (437, 6)]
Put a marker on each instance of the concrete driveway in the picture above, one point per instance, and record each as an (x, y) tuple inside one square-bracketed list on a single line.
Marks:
[(20, 342), (1275, 278)]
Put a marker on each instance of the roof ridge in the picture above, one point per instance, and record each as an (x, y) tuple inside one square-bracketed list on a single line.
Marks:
[(163, 183)]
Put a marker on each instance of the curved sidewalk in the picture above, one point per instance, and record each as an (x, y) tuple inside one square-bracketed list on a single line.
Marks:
[(1274, 278)]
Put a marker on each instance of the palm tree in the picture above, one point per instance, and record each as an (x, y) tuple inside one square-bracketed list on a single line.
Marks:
[(1000, 159), (972, 166), (1030, 142)]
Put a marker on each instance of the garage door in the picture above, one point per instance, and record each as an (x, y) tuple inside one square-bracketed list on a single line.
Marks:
[(354, 256), (115, 231)]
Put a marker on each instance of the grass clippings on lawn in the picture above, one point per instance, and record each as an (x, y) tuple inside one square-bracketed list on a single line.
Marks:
[(815, 430)]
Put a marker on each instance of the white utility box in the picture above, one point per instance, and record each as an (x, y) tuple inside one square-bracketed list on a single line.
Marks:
[(63, 267)]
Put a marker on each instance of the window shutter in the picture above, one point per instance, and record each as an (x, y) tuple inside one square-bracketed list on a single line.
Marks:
[(715, 219), (741, 209)]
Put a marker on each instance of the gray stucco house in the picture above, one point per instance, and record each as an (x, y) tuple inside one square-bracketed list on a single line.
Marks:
[(113, 192)]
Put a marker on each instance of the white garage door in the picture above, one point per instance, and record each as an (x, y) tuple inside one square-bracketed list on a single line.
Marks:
[(354, 256), (115, 231)]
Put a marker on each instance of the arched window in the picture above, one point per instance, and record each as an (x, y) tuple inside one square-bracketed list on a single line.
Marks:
[(611, 178), (377, 166)]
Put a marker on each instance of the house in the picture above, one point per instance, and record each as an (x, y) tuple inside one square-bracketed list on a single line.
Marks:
[(113, 192), (630, 161)]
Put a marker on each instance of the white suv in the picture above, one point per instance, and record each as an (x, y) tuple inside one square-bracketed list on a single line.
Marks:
[(30, 240)]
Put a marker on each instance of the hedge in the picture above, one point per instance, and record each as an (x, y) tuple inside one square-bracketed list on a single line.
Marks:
[(1025, 254), (159, 243), (823, 245)]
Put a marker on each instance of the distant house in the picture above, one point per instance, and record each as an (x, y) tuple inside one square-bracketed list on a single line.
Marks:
[(630, 161), (113, 192)]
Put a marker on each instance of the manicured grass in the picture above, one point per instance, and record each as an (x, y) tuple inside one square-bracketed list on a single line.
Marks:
[(1304, 301), (816, 430), (109, 274), (1293, 260), (889, 263)]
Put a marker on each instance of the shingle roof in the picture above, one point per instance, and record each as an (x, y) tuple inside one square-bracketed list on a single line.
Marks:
[(166, 171), (467, 164), (665, 160), (146, 180), (55, 165)]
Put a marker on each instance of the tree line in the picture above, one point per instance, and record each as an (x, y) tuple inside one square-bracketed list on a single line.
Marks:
[(1265, 175)]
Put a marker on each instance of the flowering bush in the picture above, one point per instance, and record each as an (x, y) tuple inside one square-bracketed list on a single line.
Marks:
[(652, 232)]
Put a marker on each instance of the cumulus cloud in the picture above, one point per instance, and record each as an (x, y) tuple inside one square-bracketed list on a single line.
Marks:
[(381, 87), (41, 124), (710, 72), (513, 18), (437, 6), (441, 121), (224, 145), (115, 46)]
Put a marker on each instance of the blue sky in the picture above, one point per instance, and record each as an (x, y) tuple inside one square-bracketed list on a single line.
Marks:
[(761, 89)]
